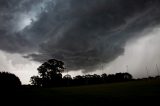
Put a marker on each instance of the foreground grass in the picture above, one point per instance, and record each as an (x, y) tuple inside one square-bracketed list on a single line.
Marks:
[(134, 92)]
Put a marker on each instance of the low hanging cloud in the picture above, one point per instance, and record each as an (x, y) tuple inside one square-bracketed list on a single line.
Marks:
[(82, 33)]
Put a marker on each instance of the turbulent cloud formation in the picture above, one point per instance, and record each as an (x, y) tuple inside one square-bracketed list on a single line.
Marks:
[(82, 33)]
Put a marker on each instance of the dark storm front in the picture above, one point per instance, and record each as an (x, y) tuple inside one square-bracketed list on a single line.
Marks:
[(84, 34)]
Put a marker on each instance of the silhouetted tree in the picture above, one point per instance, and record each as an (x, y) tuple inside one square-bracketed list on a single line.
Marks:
[(79, 80), (97, 79), (123, 76), (50, 73), (92, 79), (67, 77), (9, 80), (36, 80), (67, 80), (118, 77), (128, 76), (104, 77)]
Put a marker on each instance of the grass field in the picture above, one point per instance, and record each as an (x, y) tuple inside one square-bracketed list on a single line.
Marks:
[(125, 93)]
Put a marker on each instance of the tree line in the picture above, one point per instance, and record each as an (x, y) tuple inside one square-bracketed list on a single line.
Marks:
[(50, 75)]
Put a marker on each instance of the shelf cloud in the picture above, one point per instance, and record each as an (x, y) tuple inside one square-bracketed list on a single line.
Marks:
[(82, 33)]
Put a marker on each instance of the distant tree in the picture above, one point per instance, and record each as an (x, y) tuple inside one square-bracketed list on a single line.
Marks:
[(67, 80), (50, 73), (104, 77), (36, 80), (9, 80), (67, 77), (97, 78), (78, 80), (122, 77), (128, 76), (92, 79)]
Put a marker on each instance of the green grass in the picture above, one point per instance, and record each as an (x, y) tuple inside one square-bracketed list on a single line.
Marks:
[(116, 93)]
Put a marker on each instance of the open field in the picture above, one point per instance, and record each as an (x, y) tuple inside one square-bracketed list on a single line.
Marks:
[(134, 92)]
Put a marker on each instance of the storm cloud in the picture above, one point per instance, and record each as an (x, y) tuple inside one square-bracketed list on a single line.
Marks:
[(82, 33)]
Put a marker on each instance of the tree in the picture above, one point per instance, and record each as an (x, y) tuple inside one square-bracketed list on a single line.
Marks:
[(67, 80), (67, 77), (50, 73), (36, 80), (9, 80), (127, 76)]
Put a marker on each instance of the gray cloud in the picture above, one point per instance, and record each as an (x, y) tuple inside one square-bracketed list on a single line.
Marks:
[(82, 33), (14, 16)]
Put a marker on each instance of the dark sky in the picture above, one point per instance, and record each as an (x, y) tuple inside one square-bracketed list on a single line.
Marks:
[(82, 33)]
